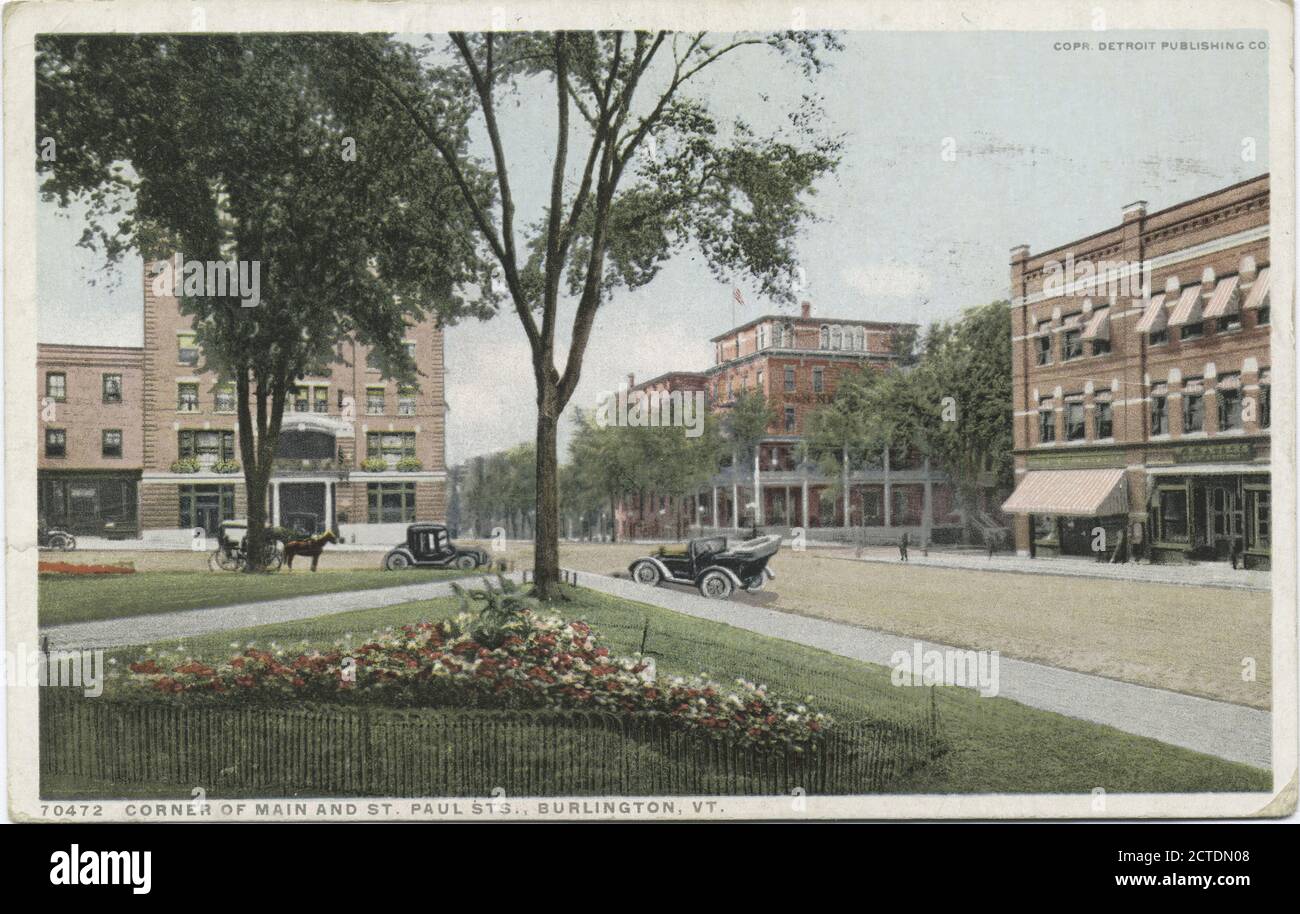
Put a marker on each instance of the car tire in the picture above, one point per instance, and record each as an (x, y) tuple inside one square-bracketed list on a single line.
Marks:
[(466, 562), (647, 573), (716, 585), (396, 561)]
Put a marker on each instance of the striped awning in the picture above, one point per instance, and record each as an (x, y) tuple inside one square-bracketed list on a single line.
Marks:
[(1098, 325), (1154, 318), (1072, 493), (1188, 309), (1258, 291), (1224, 300)]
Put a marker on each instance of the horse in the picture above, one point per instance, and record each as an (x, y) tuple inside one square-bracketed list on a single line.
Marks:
[(313, 546)]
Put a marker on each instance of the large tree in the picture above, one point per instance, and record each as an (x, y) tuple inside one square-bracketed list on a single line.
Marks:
[(257, 148), (640, 168)]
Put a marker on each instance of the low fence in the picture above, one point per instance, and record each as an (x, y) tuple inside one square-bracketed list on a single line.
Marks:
[(99, 745)]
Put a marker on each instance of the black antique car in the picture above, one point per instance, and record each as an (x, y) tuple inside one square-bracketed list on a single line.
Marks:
[(709, 564), (429, 546)]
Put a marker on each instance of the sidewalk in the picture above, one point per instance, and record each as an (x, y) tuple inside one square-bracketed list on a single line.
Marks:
[(1208, 574), (1233, 732)]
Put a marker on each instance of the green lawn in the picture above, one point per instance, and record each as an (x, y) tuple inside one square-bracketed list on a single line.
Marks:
[(75, 598), (997, 745)]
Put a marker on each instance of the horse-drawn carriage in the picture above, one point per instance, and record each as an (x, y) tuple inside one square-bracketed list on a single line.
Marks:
[(231, 553)]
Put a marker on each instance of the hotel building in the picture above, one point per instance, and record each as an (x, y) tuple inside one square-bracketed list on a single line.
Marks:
[(1142, 385)]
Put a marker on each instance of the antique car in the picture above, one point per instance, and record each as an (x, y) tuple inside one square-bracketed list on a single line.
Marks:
[(430, 546), (709, 564)]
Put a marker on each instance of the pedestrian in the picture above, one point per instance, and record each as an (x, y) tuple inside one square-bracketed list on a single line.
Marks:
[(902, 548), (992, 543), (1236, 552)]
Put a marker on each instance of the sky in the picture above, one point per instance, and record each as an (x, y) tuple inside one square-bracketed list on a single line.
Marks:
[(1043, 146)]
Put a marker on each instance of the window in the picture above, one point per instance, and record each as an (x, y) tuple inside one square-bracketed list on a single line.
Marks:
[(1258, 514), (1044, 343), (391, 502), (56, 442), (1229, 322), (208, 446), (1159, 415), (1104, 417), (1073, 345), (789, 420), (1046, 423), (112, 388), (406, 401), (206, 506), (1262, 316), (1158, 337), (1193, 411), (819, 380), (825, 337), (187, 349), (760, 379), (1265, 405), (837, 338), (56, 385), (187, 397), (223, 400), (1074, 429), (374, 401), (410, 350), (301, 400), (789, 379), (1100, 347), (762, 336), (1172, 526), (1229, 408), (111, 444), (372, 360), (1192, 331), (391, 446)]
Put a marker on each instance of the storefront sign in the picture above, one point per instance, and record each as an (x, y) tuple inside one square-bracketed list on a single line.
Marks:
[(1074, 461), (1219, 452)]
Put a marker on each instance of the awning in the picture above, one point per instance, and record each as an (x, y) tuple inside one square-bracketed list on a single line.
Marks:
[(1098, 326), (1224, 300), (1072, 493), (1155, 318), (1188, 309), (1258, 290)]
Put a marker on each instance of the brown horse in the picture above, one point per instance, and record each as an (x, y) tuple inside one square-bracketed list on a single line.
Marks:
[(313, 547)]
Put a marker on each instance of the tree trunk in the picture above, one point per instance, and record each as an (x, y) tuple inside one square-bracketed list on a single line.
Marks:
[(546, 535), (758, 489)]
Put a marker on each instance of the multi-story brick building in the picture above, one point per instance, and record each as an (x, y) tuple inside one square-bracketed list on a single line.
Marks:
[(1142, 384), (796, 362), (357, 452), (91, 447)]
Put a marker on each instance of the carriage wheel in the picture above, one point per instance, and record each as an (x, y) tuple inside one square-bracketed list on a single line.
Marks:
[(221, 560), (274, 558)]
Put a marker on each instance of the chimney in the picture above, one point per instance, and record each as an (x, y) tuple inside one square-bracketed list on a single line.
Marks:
[(805, 309), (631, 380)]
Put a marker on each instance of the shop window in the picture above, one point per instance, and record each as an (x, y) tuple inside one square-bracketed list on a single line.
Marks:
[(112, 388), (1172, 507), (1229, 409), (1104, 417), (391, 502), (1159, 415), (1258, 513), (111, 443), (1193, 412), (1074, 426), (56, 385), (1046, 423), (56, 442)]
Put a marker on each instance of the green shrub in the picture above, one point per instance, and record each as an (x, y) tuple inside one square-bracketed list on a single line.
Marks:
[(409, 465), (226, 466), (185, 465), (374, 465)]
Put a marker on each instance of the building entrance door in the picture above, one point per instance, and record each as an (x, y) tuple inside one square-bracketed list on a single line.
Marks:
[(1225, 518), (207, 513)]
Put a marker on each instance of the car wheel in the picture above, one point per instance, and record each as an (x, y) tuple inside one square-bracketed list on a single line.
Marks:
[(646, 573), (396, 561), (715, 585), (466, 562)]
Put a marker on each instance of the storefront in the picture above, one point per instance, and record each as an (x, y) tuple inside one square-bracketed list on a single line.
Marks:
[(87, 503), (1211, 511), (1073, 512)]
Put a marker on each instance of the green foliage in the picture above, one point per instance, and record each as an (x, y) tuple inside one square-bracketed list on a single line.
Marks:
[(226, 466), (748, 421), (185, 465), (374, 464), (409, 465), (501, 613)]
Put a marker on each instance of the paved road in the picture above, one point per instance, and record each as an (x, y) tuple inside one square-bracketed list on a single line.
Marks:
[(191, 622), (1218, 728), (1230, 731)]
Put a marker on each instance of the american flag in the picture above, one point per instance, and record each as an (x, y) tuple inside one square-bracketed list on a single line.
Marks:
[(735, 293)]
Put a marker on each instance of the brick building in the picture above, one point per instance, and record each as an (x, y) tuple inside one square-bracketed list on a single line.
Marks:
[(1142, 384), (357, 452), (797, 363)]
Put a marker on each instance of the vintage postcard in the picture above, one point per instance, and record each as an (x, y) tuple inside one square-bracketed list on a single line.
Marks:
[(521, 411)]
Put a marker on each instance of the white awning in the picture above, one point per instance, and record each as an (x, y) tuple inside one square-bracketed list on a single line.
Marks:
[(1258, 295), (1155, 318), (1072, 493), (1098, 326), (1224, 300), (1188, 309)]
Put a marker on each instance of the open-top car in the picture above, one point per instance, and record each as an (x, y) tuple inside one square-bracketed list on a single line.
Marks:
[(430, 546), (710, 564)]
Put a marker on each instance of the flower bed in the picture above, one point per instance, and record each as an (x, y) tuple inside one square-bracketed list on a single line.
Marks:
[(512, 658), (72, 568)]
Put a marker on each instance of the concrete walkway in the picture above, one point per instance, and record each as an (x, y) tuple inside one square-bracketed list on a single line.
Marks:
[(1208, 574), (1229, 731), (190, 623)]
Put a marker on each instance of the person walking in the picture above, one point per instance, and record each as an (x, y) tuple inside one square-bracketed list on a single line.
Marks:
[(902, 548)]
